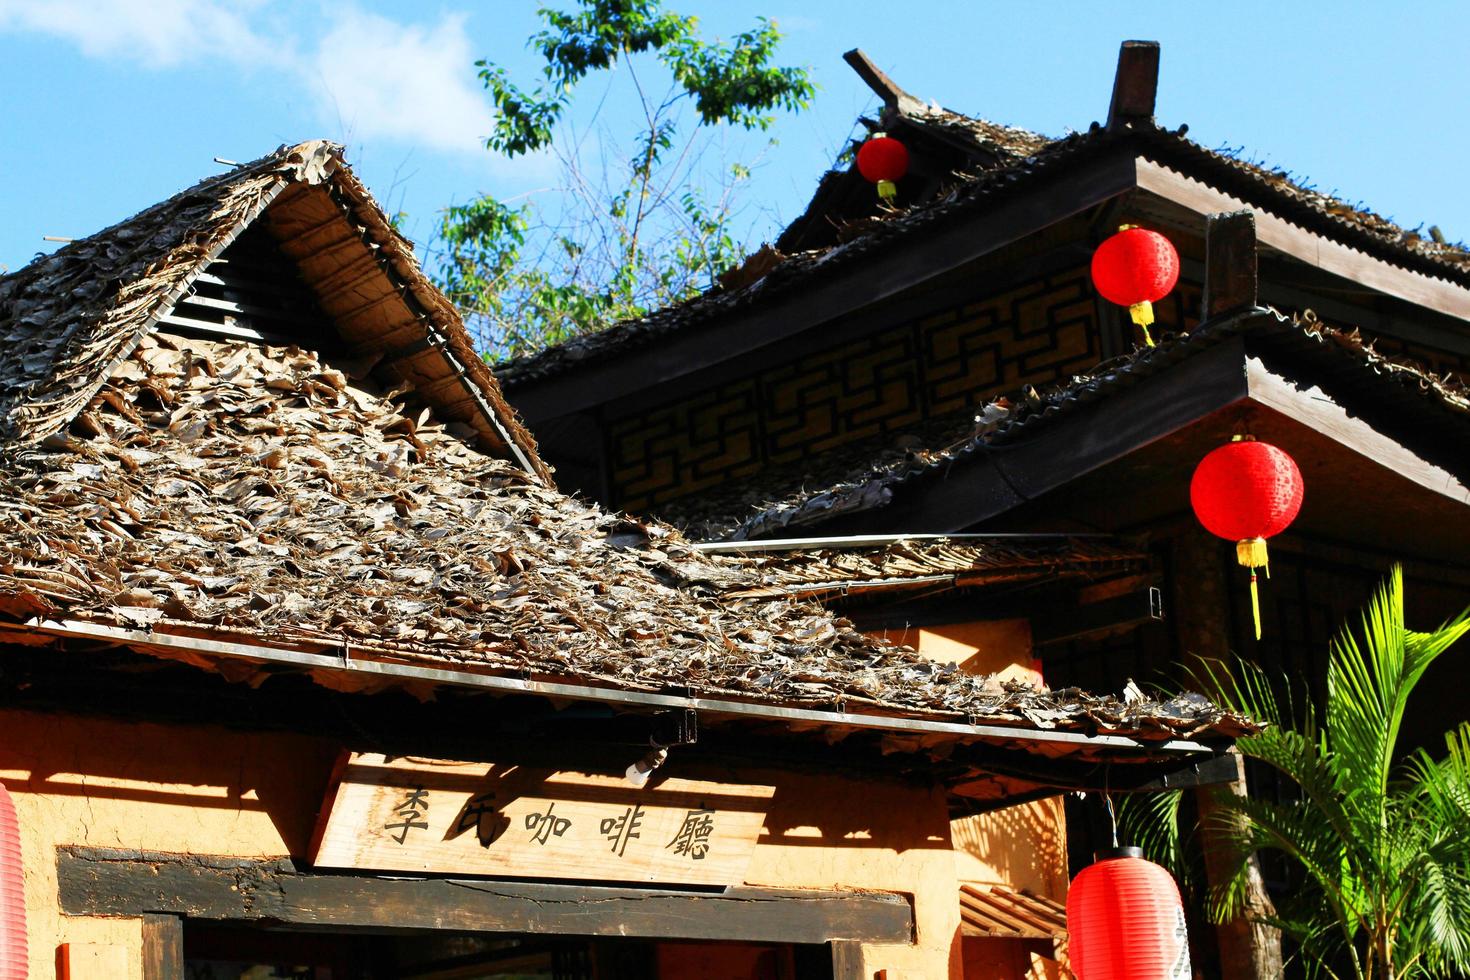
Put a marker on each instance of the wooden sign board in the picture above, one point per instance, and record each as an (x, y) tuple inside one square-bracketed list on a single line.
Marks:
[(425, 815)]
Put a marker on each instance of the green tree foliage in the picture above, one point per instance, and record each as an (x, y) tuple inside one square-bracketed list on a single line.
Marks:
[(637, 228), (1379, 840)]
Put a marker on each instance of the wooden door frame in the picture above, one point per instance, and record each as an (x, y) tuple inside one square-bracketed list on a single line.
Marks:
[(165, 889)]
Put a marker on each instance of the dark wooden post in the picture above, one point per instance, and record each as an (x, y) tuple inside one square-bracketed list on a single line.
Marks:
[(1231, 281), (847, 961), (1248, 947), (163, 947), (1136, 84), (895, 99), (1248, 950)]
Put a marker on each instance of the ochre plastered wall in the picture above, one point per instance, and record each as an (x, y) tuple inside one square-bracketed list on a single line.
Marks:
[(1022, 847), (884, 836), (1001, 647), (147, 787), (209, 790)]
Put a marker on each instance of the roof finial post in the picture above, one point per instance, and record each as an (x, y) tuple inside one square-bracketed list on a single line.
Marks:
[(1136, 84), (1231, 284), (895, 99)]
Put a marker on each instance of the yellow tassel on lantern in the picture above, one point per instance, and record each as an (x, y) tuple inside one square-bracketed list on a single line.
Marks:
[(1252, 554), (1143, 315), (887, 190)]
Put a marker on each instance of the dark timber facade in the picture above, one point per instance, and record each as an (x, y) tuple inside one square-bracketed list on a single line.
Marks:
[(946, 368)]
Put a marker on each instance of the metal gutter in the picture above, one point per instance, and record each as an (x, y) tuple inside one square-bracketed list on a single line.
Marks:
[(844, 585), (872, 541), (346, 663)]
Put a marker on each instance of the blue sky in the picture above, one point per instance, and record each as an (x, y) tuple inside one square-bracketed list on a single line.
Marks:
[(111, 105)]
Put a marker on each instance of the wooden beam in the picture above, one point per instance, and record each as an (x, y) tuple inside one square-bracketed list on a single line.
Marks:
[(887, 273), (99, 881), (352, 274), (1308, 247), (229, 331), (992, 483), (1135, 85), (283, 314), (163, 947), (884, 87), (1106, 616), (1231, 284), (1313, 408)]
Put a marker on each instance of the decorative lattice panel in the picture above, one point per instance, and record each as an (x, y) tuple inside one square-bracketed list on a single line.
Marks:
[(850, 392), (1037, 333), (687, 446)]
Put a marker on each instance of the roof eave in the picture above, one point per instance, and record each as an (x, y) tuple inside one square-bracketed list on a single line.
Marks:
[(1221, 366), (348, 661)]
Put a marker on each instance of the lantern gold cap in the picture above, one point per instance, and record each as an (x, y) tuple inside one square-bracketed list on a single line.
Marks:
[(1109, 853)]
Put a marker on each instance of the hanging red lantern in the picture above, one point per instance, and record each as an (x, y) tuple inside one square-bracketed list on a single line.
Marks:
[(1247, 491), (883, 160), (1125, 920), (1134, 268), (13, 961)]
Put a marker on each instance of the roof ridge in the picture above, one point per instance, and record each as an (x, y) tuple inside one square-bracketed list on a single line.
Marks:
[(1270, 190), (72, 316), (160, 261), (235, 172)]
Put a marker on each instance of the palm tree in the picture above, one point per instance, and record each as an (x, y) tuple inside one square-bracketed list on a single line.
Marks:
[(1384, 866), (1382, 842)]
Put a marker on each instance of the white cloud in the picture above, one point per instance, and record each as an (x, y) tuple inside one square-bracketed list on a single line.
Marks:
[(157, 33), (411, 83), (368, 77)]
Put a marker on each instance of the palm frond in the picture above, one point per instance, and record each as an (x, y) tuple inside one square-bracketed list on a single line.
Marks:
[(1384, 848), (1151, 821)]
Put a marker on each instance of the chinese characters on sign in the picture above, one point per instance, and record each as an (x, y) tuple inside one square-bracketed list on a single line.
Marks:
[(620, 829), (544, 825), (434, 816), (693, 836), (481, 816), (412, 813)]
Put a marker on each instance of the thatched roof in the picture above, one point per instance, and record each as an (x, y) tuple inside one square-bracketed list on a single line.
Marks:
[(258, 495), (855, 567), (203, 497), (69, 318), (1001, 164)]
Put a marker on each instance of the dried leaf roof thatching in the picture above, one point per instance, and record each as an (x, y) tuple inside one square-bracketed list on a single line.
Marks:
[(381, 498), (260, 495), (1002, 163), (69, 318), (923, 562)]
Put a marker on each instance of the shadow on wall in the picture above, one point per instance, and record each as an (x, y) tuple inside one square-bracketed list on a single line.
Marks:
[(169, 770), (870, 815), (1022, 847)]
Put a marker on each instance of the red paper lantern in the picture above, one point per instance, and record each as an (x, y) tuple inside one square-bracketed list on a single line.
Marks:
[(13, 962), (1247, 491), (883, 160), (1125, 921), (1135, 268)]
